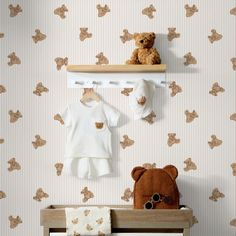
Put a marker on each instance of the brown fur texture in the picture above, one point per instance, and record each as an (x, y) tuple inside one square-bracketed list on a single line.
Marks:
[(84, 34), (172, 139), (1, 35), (40, 89), (58, 118), (1, 140), (2, 195), (14, 222), (233, 11), (14, 11), (216, 195), (156, 180), (14, 165), (233, 166), (38, 36), (149, 166), (214, 36), (144, 54), (189, 59), (148, 11), (233, 60), (102, 11), (40, 194), (87, 194), (172, 34), (190, 10), (215, 142), (14, 116), (127, 142), (127, 91), (60, 11), (14, 60), (126, 36), (233, 222), (190, 116), (61, 62), (39, 142), (190, 165), (2, 89), (233, 117), (216, 88), (150, 118), (102, 60), (59, 168), (128, 194), (175, 89)]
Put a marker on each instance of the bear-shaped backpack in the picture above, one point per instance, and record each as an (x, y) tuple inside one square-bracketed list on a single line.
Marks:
[(155, 188)]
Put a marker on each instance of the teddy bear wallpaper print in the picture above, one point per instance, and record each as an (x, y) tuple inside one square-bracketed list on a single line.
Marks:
[(192, 124)]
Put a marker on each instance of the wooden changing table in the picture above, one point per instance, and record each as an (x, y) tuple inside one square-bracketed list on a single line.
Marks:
[(125, 219)]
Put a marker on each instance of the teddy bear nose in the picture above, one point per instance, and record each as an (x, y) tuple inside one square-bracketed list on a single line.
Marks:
[(141, 41)]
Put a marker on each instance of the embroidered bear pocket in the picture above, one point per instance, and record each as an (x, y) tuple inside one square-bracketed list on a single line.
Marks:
[(99, 124)]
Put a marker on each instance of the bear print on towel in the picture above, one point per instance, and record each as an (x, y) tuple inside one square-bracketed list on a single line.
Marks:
[(14, 222)]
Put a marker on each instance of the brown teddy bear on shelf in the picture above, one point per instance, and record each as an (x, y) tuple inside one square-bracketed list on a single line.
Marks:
[(144, 54)]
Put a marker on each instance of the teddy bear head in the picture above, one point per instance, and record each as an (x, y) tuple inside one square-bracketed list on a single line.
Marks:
[(144, 40)]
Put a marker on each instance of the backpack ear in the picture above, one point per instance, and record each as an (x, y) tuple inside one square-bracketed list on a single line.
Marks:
[(172, 171), (137, 172)]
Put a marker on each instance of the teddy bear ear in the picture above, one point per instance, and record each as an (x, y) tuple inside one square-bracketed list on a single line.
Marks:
[(153, 34), (172, 171), (137, 172)]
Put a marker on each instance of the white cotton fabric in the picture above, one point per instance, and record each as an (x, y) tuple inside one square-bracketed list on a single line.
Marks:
[(146, 89), (88, 221), (88, 147)]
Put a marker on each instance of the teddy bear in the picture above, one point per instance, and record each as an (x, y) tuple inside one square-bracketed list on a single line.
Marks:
[(2, 89), (190, 10), (175, 89), (189, 59), (150, 118), (126, 142), (38, 142), (84, 34), (127, 91), (233, 117), (233, 166), (61, 62), (126, 36), (215, 142), (233, 60), (1, 140), (214, 36), (172, 34), (128, 194), (14, 10), (14, 60), (1, 35), (14, 221), (233, 11), (102, 11), (102, 60), (14, 116), (148, 11), (144, 54), (87, 194), (38, 36), (40, 89), (59, 167), (14, 165), (190, 116), (40, 194), (172, 140), (190, 165), (58, 118), (2, 195), (155, 188), (216, 88), (216, 194), (60, 11)]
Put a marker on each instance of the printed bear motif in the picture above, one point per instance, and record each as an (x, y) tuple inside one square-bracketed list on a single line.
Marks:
[(58, 118), (100, 233), (190, 165), (214, 36), (84, 34), (87, 194), (2, 195), (86, 212), (14, 60), (59, 167), (233, 117), (60, 11), (148, 11), (233, 60), (172, 140), (2, 89), (215, 142), (14, 165), (126, 36), (233, 166), (128, 194), (14, 116), (142, 100), (233, 222), (14, 222), (1, 35), (40, 194), (76, 234), (150, 118), (127, 91), (99, 221), (233, 11), (195, 220), (14, 11), (127, 142), (102, 11), (190, 116), (175, 89), (61, 62), (216, 195), (190, 10), (40, 89), (216, 89), (99, 125), (172, 34), (38, 36), (89, 227), (102, 60), (149, 166), (1, 140), (75, 221), (38, 142), (189, 59)]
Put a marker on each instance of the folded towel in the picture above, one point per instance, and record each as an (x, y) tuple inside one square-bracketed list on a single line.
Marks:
[(140, 100), (88, 221)]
